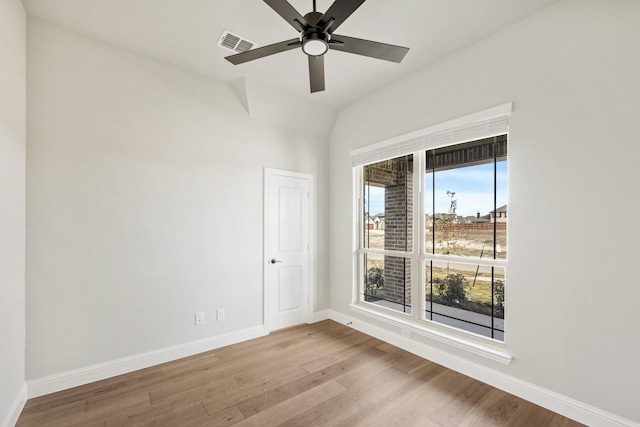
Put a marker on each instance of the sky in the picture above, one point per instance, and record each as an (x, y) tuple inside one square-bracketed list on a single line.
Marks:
[(473, 187)]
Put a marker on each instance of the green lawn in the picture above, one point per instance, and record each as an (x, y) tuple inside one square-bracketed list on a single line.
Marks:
[(481, 292), (478, 292)]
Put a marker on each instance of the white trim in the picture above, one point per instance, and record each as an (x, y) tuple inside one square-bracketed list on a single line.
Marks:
[(399, 254), (313, 230), (77, 377), (265, 247), (310, 291), (489, 349), (551, 400), (357, 210), (489, 113), (319, 316), (454, 259), (470, 132), (16, 408)]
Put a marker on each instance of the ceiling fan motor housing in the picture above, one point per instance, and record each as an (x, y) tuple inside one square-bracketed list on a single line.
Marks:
[(314, 40)]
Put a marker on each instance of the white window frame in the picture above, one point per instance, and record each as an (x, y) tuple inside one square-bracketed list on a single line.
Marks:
[(483, 124)]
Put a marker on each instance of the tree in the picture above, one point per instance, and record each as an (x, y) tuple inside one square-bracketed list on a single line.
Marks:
[(451, 231)]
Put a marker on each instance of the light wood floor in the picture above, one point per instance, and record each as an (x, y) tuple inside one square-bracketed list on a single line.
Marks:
[(320, 374)]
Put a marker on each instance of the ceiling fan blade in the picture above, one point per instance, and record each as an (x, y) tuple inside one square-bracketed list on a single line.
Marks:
[(316, 73), (261, 52), (284, 9), (338, 12), (387, 52)]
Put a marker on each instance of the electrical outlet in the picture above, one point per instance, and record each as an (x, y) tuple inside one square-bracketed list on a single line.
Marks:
[(200, 318), (220, 313)]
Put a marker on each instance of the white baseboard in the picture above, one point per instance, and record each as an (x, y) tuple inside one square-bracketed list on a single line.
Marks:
[(16, 408), (551, 400), (319, 316), (77, 377)]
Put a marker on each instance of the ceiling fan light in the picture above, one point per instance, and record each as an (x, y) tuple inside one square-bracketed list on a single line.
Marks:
[(313, 44), (315, 47)]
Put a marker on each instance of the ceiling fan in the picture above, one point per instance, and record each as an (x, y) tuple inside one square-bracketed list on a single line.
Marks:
[(317, 37)]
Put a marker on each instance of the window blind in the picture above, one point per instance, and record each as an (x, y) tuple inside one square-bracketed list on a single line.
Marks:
[(480, 125)]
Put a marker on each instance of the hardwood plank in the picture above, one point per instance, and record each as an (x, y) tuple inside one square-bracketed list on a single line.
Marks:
[(473, 420), (190, 389), (358, 399), (321, 374), (164, 414), (139, 379), (282, 340), (532, 415), (497, 406), (116, 402), (217, 401), (410, 363), (368, 369), (283, 411), (560, 421), (339, 354), (227, 417), (262, 373), (413, 406), (377, 406), (189, 364), (55, 414), (424, 422), (279, 394), (252, 388), (464, 397)]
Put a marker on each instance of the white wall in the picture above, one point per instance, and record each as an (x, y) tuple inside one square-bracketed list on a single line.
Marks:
[(144, 203), (12, 208), (573, 73)]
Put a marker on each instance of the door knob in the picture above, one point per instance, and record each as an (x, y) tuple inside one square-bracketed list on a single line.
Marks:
[(273, 260)]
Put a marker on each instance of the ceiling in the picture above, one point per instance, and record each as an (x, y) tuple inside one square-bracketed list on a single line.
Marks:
[(186, 32)]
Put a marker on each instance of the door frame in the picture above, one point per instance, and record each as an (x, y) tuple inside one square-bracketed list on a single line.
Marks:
[(309, 292)]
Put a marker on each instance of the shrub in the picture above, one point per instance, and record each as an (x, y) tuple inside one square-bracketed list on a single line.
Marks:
[(374, 280), (453, 287), (498, 289)]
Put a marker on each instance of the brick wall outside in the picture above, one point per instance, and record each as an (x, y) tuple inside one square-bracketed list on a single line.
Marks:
[(396, 176), (398, 236)]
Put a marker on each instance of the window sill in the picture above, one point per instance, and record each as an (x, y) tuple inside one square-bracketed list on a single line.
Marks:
[(477, 345)]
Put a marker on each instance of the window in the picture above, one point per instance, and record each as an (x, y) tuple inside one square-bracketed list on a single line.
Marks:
[(432, 227), (463, 286)]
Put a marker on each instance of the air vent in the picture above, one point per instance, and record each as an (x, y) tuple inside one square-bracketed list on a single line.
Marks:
[(235, 43)]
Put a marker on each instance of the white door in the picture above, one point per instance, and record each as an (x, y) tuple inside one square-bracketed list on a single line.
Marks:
[(287, 201)]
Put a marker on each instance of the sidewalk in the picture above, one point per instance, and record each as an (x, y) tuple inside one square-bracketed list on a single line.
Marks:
[(460, 317)]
